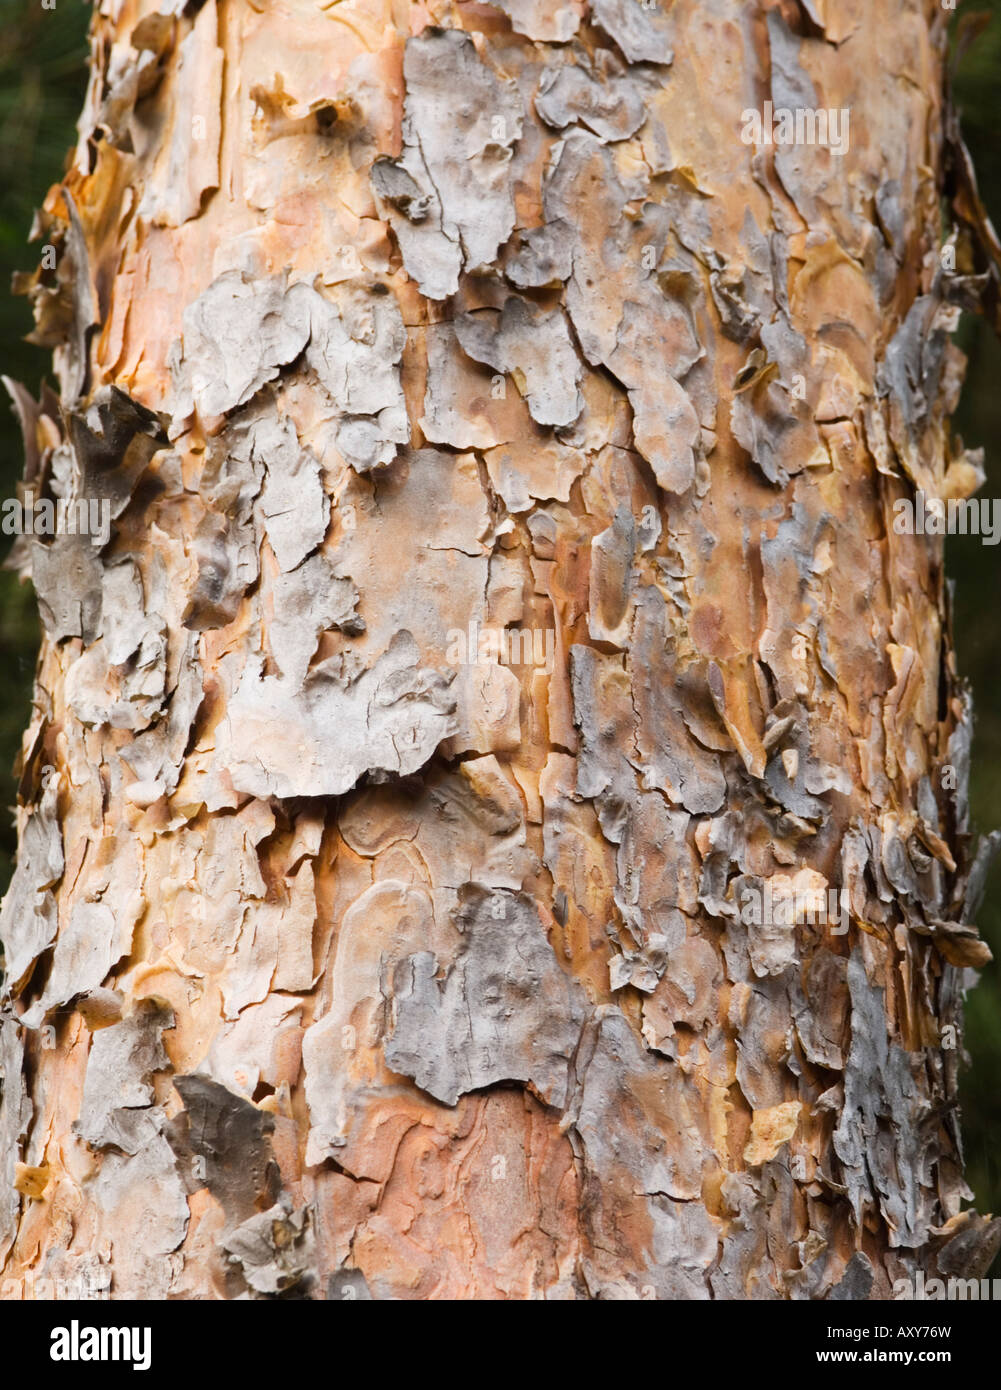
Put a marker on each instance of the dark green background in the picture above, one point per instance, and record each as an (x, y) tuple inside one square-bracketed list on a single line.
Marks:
[(42, 80)]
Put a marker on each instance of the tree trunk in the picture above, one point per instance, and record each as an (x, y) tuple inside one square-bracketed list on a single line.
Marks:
[(493, 823)]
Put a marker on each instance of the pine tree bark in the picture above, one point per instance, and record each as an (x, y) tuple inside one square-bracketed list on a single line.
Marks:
[(502, 600)]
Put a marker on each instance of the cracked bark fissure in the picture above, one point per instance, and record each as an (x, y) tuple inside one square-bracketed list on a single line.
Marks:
[(337, 963)]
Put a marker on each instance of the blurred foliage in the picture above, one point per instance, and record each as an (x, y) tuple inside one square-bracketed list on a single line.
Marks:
[(42, 82), (976, 571), (43, 76)]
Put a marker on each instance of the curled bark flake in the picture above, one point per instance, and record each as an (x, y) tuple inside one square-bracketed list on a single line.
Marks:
[(187, 164)]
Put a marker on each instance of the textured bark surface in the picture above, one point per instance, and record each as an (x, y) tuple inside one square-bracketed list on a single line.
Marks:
[(342, 966)]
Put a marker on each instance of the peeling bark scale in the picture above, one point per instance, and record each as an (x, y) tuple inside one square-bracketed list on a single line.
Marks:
[(338, 967)]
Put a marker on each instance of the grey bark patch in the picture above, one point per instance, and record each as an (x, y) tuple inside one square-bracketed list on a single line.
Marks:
[(641, 969), (805, 172), (619, 306), (651, 887), (505, 1010), (603, 712), (308, 600), (686, 994), (987, 850), (120, 681), (113, 438), (669, 756), (855, 1285), (15, 1116), (958, 757), (128, 629), (29, 414), (770, 420), (225, 551), (643, 32), (368, 442), (605, 99), (911, 375), (28, 918), (820, 1008), (892, 214), (85, 311), (225, 544), (237, 336), (743, 1268), (543, 258), (293, 507), (189, 163), (319, 740), (273, 1249), (392, 182), (765, 1048), (460, 125), (432, 257), (636, 1119), (547, 21), (449, 415), (67, 577), (353, 343), (791, 86), (789, 792), (534, 346), (667, 432), (157, 754), (223, 1142), (618, 1071), (118, 1093), (742, 292), (467, 143), (884, 1134), (99, 931), (141, 1199), (771, 945), (355, 347), (789, 560), (970, 1253)]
